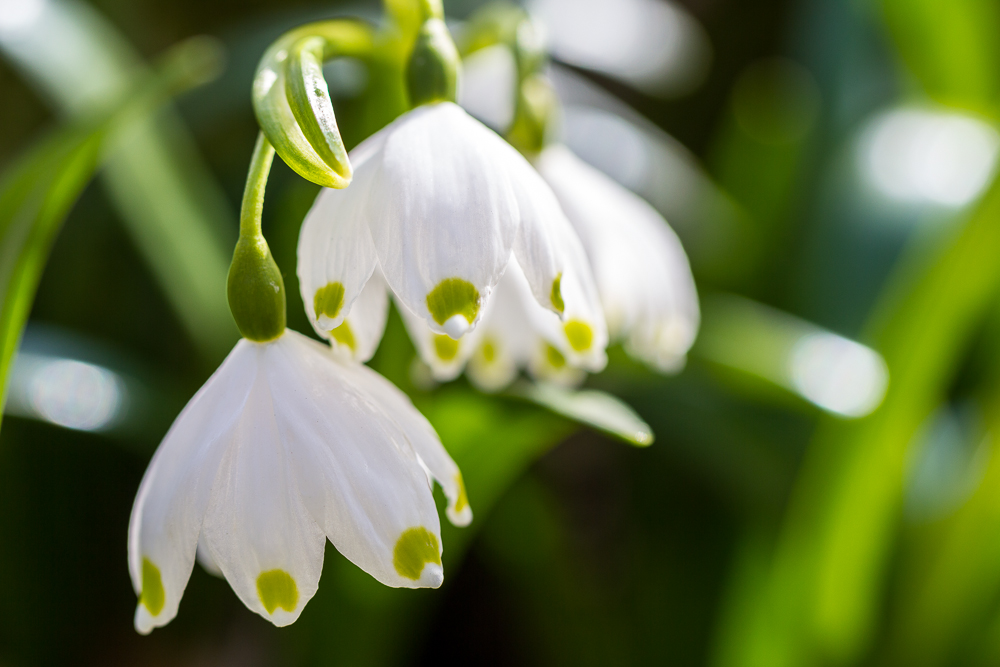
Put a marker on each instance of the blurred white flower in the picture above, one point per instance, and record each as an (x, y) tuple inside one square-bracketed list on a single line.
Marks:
[(642, 274), (282, 448)]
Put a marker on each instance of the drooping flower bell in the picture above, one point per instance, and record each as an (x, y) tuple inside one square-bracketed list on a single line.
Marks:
[(284, 447), (643, 276), (438, 206), (642, 273)]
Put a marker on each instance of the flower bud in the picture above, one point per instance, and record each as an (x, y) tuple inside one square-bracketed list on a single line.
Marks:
[(432, 73)]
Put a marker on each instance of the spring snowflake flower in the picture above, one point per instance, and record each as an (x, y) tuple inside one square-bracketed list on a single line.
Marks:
[(439, 205), (641, 271), (284, 447)]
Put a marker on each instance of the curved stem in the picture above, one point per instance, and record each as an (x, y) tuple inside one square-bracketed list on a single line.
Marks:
[(253, 194)]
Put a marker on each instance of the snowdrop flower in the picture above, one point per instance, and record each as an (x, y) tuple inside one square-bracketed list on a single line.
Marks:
[(284, 447), (640, 268)]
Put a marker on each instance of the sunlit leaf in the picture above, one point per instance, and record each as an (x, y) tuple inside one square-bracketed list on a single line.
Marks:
[(596, 409), (951, 47)]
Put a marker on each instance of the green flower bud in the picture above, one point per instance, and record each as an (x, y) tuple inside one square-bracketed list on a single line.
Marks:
[(256, 291), (432, 74)]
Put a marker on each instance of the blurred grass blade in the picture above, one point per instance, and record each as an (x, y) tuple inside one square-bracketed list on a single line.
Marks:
[(951, 46), (596, 409), (838, 375), (172, 208), (37, 193), (35, 197), (822, 599)]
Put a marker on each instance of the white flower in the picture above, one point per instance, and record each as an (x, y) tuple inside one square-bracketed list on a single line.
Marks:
[(439, 204), (516, 333), (282, 448), (642, 273)]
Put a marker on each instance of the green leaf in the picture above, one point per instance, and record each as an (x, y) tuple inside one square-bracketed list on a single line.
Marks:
[(37, 192), (951, 47), (821, 600), (597, 409), (35, 197), (168, 199)]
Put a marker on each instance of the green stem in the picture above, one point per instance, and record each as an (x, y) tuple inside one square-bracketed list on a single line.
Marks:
[(253, 194)]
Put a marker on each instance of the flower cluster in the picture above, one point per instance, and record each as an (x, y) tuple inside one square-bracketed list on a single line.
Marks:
[(496, 264)]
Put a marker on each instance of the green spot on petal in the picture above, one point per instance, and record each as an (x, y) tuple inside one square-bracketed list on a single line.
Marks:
[(488, 351), (415, 547), (276, 588), (328, 300), (579, 334), (463, 499), (453, 296), (555, 357), (345, 336), (556, 295), (446, 347), (153, 596)]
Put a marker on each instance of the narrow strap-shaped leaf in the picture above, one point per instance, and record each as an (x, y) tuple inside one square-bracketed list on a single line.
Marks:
[(34, 201), (596, 409), (38, 191)]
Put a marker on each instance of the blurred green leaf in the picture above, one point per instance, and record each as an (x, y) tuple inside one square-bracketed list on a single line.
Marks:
[(35, 197), (171, 205), (824, 590), (596, 409), (952, 578), (38, 192), (951, 46)]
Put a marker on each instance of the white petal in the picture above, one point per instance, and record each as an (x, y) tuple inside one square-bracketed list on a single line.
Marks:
[(424, 440), (336, 256), (508, 336), (359, 334), (356, 470), (443, 212), (175, 491), (539, 246), (205, 559), (257, 528), (444, 355), (641, 270)]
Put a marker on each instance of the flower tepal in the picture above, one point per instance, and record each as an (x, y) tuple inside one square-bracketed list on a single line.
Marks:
[(643, 276), (282, 448)]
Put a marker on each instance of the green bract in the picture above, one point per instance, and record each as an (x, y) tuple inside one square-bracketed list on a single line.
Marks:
[(432, 73), (292, 101)]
